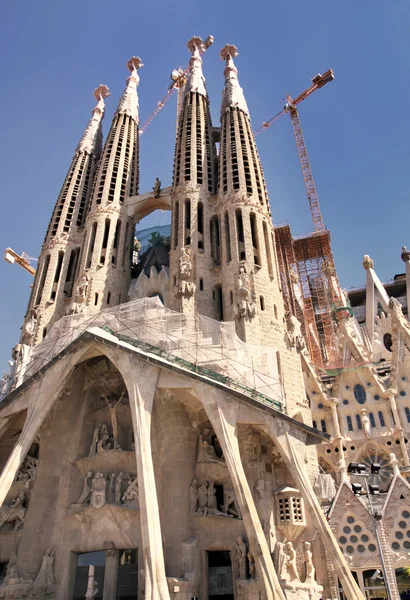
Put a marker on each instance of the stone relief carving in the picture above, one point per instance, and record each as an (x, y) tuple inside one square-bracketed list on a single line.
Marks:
[(46, 573), (280, 560), (122, 489), (367, 262), (186, 286), (230, 505), (246, 306), (241, 557), (12, 577), (80, 297), (14, 512), (208, 448), (291, 565), (203, 501), (112, 407), (252, 566), (28, 470), (193, 497), (30, 328)]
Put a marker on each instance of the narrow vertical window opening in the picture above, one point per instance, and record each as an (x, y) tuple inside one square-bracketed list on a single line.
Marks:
[(227, 237), (91, 245), (240, 235), (267, 247), (43, 279), (187, 233)]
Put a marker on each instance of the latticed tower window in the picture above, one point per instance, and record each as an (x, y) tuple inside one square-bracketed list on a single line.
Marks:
[(290, 507)]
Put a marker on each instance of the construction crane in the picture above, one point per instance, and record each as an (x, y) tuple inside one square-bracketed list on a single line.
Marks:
[(24, 260), (291, 107), (178, 78)]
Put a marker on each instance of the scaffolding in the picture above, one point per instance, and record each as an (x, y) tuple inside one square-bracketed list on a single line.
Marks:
[(311, 290), (195, 344)]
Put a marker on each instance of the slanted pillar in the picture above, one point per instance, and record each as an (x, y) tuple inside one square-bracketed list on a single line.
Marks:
[(111, 573), (42, 396), (368, 265), (141, 381), (405, 256), (291, 448), (222, 413)]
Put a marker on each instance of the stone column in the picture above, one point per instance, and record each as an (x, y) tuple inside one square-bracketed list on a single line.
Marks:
[(41, 397), (370, 299), (222, 413), (111, 574), (334, 402), (141, 381), (291, 449)]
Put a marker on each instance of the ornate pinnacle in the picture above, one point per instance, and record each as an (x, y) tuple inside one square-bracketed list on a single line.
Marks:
[(195, 43), (228, 51), (134, 63), (405, 254), (367, 262), (101, 91)]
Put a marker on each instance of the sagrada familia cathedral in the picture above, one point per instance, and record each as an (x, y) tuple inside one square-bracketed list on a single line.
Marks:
[(207, 421)]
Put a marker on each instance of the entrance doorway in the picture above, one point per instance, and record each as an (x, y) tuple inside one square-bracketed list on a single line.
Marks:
[(220, 583), (127, 578), (97, 559)]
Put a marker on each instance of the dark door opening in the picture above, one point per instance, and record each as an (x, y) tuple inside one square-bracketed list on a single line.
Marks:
[(81, 576), (220, 584)]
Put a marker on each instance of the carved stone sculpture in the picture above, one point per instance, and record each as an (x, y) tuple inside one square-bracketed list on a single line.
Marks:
[(93, 447), (112, 407), (366, 423), (46, 573), (291, 563), (103, 444), (280, 560), (193, 497), (205, 450), (118, 484), (203, 498), (212, 502), (405, 254), (394, 463), (310, 569), (28, 470), (111, 485), (186, 287), (294, 332), (98, 490), (30, 328), (131, 496), (92, 587), (252, 566), (230, 504), (241, 557), (85, 494), (245, 306), (14, 512), (367, 262), (82, 287)]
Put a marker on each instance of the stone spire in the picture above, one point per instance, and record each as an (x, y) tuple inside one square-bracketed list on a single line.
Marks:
[(196, 80), (128, 104), (92, 137), (232, 95)]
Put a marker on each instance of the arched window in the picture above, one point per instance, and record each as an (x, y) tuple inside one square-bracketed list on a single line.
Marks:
[(381, 419), (187, 222), (358, 422), (359, 393), (240, 236), (255, 241), (349, 423), (175, 223), (323, 425), (372, 421), (227, 237), (387, 341), (200, 225)]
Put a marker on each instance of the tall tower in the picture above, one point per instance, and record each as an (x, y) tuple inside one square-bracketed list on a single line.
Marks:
[(192, 252), (251, 294), (58, 261), (105, 264)]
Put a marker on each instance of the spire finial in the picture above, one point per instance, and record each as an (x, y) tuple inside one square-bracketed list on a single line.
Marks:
[(134, 63), (196, 80), (92, 136), (101, 92), (232, 96)]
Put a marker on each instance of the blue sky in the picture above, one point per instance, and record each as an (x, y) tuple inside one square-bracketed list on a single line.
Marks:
[(356, 129)]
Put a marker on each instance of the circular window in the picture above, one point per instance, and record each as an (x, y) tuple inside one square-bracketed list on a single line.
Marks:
[(402, 393), (360, 548), (345, 402), (364, 538), (387, 341), (320, 405), (399, 535), (346, 529), (372, 548), (376, 397), (357, 528), (406, 514), (349, 549), (342, 539), (403, 379), (406, 544), (350, 520), (395, 546), (353, 539), (402, 524), (359, 393)]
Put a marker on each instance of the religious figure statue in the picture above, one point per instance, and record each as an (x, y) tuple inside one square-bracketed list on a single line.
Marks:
[(118, 485), (394, 463), (85, 494), (98, 490), (205, 450), (280, 560), (96, 435), (291, 562), (366, 423), (230, 504), (252, 566), (46, 573), (157, 188), (245, 306), (241, 557), (294, 332), (112, 407), (28, 470), (185, 263), (131, 496), (14, 512), (82, 287), (212, 502), (310, 569), (104, 443), (203, 498), (110, 491), (30, 328), (193, 497)]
